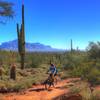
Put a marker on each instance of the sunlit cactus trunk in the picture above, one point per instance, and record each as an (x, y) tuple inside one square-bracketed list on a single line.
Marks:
[(21, 39)]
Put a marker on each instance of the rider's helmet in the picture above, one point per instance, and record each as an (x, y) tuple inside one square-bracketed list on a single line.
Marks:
[(52, 64)]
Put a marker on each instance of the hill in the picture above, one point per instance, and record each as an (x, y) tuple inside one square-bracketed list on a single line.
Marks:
[(31, 47)]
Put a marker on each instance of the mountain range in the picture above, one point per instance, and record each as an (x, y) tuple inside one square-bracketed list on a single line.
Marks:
[(30, 47)]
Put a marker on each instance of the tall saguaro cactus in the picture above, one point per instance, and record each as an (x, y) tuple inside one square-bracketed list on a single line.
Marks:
[(77, 48), (21, 39), (71, 45)]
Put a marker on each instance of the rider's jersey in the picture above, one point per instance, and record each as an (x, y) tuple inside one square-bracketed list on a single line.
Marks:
[(53, 70)]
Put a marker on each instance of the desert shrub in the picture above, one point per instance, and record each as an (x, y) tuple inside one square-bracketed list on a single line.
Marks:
[(34, 60), (93, 50), (73, 60), (16, 85), (87, 94), (94, 76), (75, 90)]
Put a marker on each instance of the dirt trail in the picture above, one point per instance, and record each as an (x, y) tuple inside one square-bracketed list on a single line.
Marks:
[(39, 93)]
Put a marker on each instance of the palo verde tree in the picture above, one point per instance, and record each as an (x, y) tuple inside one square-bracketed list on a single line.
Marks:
[(94, 50), (6, 10)]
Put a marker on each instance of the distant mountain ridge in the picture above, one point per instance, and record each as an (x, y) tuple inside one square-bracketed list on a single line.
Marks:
[(31, 47)]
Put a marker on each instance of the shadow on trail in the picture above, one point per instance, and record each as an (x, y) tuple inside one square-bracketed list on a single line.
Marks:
[(37, 89), (42, 89), (58, 87)]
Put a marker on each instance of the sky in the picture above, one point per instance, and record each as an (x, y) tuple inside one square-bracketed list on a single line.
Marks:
[(56, 22)]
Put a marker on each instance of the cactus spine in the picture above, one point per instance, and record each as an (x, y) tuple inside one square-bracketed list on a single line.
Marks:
[(21, 39)]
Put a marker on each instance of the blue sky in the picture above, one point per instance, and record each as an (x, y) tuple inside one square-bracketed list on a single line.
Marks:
[(55, 22)]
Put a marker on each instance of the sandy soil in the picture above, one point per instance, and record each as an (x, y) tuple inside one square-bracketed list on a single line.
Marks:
[(38, 92)]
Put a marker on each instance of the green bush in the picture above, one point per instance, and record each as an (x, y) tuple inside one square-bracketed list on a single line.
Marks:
[(94, 76)]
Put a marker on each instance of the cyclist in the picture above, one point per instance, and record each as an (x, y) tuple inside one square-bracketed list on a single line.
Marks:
[(52, 70)]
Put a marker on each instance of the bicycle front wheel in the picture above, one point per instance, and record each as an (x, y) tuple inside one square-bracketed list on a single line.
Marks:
[(47, 86)]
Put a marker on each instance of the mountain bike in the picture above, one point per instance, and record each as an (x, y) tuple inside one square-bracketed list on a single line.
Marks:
[(50, 81)]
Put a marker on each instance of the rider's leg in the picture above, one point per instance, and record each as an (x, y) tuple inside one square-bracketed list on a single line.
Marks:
[(55, 78)]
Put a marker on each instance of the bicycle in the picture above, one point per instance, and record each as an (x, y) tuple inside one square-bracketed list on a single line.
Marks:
[(51, 81)]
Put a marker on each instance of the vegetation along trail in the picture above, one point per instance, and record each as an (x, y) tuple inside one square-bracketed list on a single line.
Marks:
[(38, 92)]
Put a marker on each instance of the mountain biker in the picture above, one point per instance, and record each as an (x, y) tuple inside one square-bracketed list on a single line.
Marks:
[(52, 70)]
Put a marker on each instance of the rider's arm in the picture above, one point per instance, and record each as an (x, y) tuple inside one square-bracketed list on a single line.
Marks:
[(54, 70)]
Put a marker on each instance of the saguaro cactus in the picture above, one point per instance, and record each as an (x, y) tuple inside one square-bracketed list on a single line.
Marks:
[(77, 48), (1, 72), (21, 39), (71, 45), (13, 72)]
